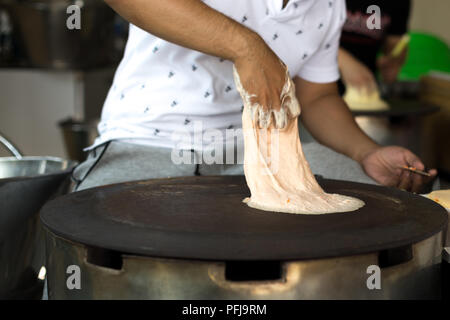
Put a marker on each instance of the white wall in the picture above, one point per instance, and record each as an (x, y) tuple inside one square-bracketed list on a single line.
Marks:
[(31, 104), (431, 16)]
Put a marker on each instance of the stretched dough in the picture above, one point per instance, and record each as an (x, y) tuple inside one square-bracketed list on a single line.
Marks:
[(276, 171)]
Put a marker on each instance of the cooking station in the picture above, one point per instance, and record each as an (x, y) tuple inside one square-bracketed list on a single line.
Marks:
[(193, 238), (219, 150)]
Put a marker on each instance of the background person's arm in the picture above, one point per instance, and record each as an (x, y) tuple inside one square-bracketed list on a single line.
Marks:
[(354, 73), (192, 24), (389, 66)]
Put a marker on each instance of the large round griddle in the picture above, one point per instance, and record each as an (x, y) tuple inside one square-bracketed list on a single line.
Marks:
[(204, 218)]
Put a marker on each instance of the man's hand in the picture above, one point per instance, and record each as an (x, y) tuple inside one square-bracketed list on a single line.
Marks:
[(356, 74), (384, 166), (263, 77)]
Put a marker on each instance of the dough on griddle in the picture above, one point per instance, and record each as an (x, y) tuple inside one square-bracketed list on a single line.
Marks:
[(276, 171), (442, 197)]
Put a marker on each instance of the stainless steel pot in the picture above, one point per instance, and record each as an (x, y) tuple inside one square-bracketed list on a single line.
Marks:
[(26, 183), (40, 30)]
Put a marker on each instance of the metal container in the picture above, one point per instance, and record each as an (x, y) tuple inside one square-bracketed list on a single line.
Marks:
[(25, 185), (41, 32), (77, 136)]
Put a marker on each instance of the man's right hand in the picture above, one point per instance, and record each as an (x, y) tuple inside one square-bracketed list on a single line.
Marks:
[(263, 76)]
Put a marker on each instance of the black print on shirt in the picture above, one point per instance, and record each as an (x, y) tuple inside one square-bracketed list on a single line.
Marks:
[(194, 67), (156, 132), (171, 74), (228, 89), (186, 121), (174, 103), (155, 49), (320, 26), (327, 46), (305, 55), (299, 32), (146, 110), (207, 94), (275, 37), (244, 18)]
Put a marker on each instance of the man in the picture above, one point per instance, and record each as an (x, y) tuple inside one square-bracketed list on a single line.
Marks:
[(177, 73)]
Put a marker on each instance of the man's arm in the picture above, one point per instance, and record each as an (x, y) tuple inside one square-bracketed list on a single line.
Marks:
[(329, 120), (189, 23), (192, 24)]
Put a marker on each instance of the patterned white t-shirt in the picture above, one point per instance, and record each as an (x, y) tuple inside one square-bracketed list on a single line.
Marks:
[(161, 89)]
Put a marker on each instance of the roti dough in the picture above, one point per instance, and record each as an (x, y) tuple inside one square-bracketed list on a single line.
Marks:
[(442, 197), (276, 171), (359, 100)]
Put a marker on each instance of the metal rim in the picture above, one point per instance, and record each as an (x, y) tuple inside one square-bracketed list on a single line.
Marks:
[(70, 165)]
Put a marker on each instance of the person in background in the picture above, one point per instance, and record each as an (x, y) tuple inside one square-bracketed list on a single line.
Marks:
[(359, 46)]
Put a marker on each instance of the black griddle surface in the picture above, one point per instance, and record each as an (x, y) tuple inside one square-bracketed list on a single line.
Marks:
[(401, 108), (204, 218)]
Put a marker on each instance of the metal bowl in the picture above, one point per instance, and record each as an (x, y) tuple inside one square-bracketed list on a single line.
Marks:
[(25, 185), (28, 167)]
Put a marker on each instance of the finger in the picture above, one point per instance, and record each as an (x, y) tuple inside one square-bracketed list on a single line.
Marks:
[(254, 113), (405, 181), (264, 117), (418, 180), (433, 173), (280, 118), (291, 105)]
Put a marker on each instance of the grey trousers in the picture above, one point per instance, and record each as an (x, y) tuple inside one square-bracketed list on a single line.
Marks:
[(118, 161)]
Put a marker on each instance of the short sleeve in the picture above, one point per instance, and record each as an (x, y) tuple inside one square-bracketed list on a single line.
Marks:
[(322, 66), (400, 17)]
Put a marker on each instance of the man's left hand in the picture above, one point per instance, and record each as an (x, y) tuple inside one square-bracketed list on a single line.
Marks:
[(384, 165)]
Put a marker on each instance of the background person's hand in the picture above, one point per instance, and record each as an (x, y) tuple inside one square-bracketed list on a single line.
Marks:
[(263, 76), (384, 166), (389, 68)]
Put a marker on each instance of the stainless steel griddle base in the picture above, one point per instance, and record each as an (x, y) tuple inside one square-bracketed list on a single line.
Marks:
[(112, 276)]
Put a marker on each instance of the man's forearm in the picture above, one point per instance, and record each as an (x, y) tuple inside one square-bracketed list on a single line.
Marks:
[(189, 23), (331, 123)]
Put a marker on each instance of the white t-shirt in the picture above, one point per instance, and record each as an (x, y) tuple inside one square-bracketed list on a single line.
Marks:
[(161, 89)]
